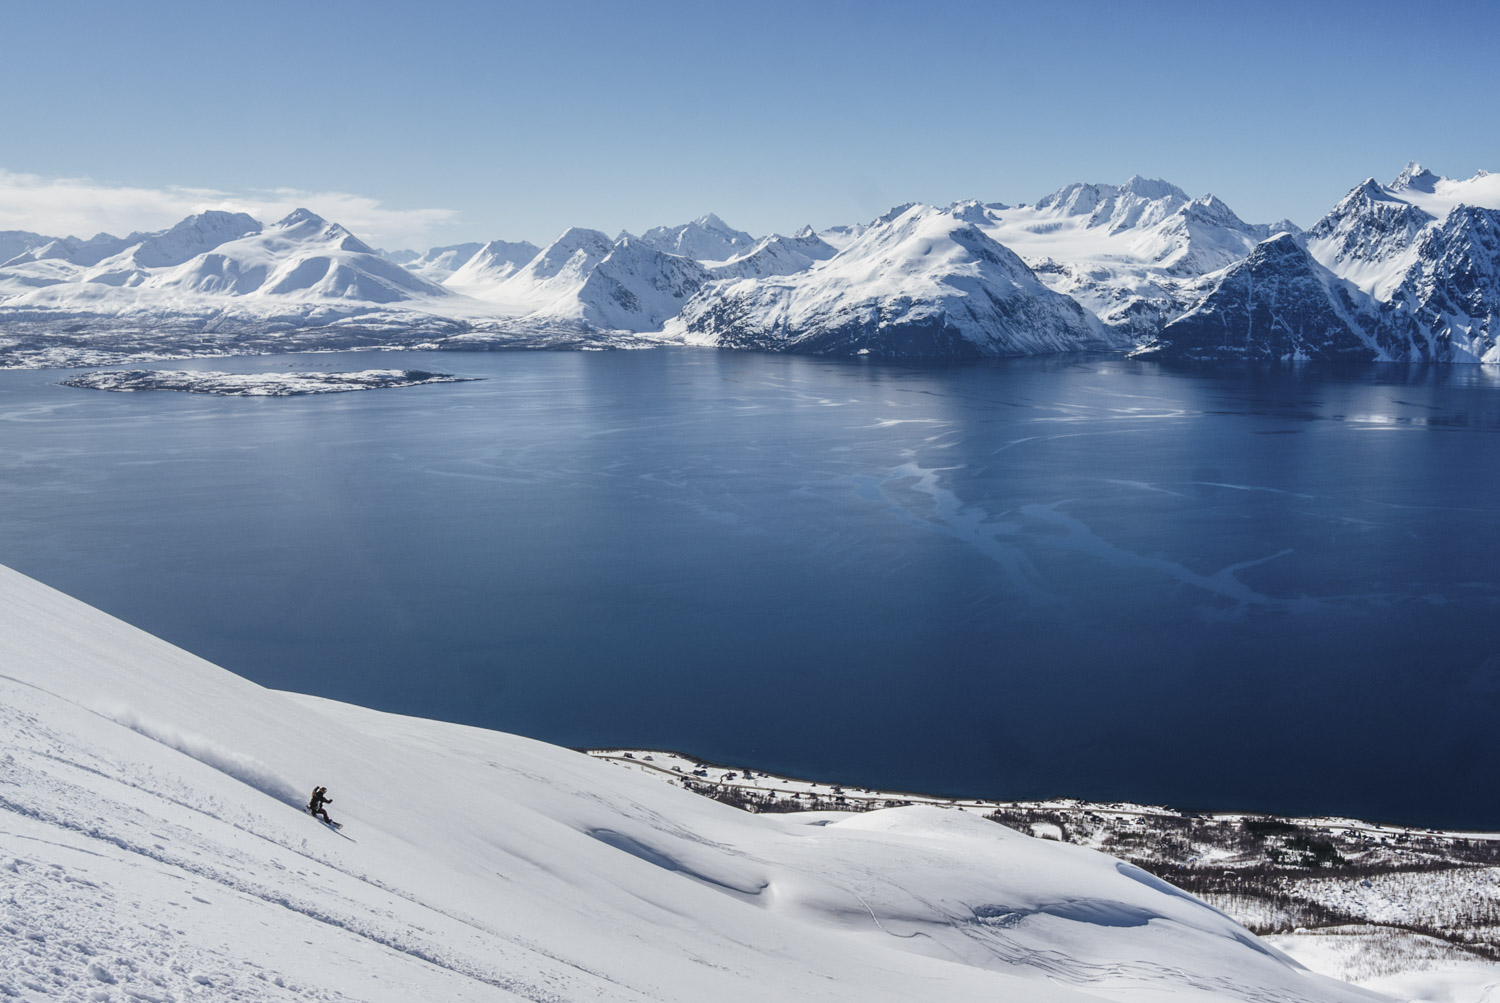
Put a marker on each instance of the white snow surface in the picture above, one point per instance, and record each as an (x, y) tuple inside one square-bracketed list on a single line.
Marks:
[(483, 268), (776, 255), (152, 847), (437, 264)]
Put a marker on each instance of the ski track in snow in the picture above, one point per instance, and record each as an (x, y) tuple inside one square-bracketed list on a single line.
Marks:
[(56, 916)]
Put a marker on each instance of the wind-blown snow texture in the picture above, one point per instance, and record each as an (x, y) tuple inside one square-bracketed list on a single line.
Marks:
[(153, 848), (1408, 270)]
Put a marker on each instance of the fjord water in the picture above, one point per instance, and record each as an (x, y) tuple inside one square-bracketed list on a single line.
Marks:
[(1270, 588)]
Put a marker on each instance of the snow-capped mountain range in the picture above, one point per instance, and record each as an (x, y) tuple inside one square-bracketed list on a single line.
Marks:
[(929, 283), (155, 847), (1404, 271), (1407, 270)]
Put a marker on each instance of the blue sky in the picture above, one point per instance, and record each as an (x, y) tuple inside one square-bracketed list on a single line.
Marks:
[(476, 120)]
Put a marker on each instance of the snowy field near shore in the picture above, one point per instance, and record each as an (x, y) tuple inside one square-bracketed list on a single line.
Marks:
[(256, 384), (153, 847), (1433, 881)]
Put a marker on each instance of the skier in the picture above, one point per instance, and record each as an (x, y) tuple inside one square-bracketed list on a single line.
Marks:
[(315, 805)]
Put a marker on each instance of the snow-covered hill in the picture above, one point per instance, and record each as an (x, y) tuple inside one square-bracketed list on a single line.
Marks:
[(152, 847), (927, 283)]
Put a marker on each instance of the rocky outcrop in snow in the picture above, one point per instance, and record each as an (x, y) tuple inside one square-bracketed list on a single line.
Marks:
[(1447, 306)]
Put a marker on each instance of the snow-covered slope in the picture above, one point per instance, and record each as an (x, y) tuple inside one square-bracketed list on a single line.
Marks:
[(707, 238), (776, 255), (436, 264), (486, 266), (302, 256), (153, 848), (77, 252), (557, 270), (583, 280), (1130, 253), (925, 284), (14, 243), (635, 287), (194, 266), (195, 235)]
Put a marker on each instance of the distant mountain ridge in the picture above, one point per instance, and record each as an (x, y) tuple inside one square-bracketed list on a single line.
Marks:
[(1407, 270)]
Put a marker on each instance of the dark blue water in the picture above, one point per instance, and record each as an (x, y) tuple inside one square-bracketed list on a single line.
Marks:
[(1254, 589)]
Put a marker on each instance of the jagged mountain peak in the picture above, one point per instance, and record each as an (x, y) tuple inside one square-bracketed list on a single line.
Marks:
[(1152, 188), (892, 213), (304, 224), (577, 238), (1415, 176), (1210, 208), (489, 264), (711, 221), (1277, 303), (301, 217), (192, 236), (707, 238), (970, 211)]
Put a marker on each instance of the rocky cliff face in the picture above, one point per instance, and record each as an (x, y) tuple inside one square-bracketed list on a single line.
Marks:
[(1447, 307), (1277, 304), (1409, 270)]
